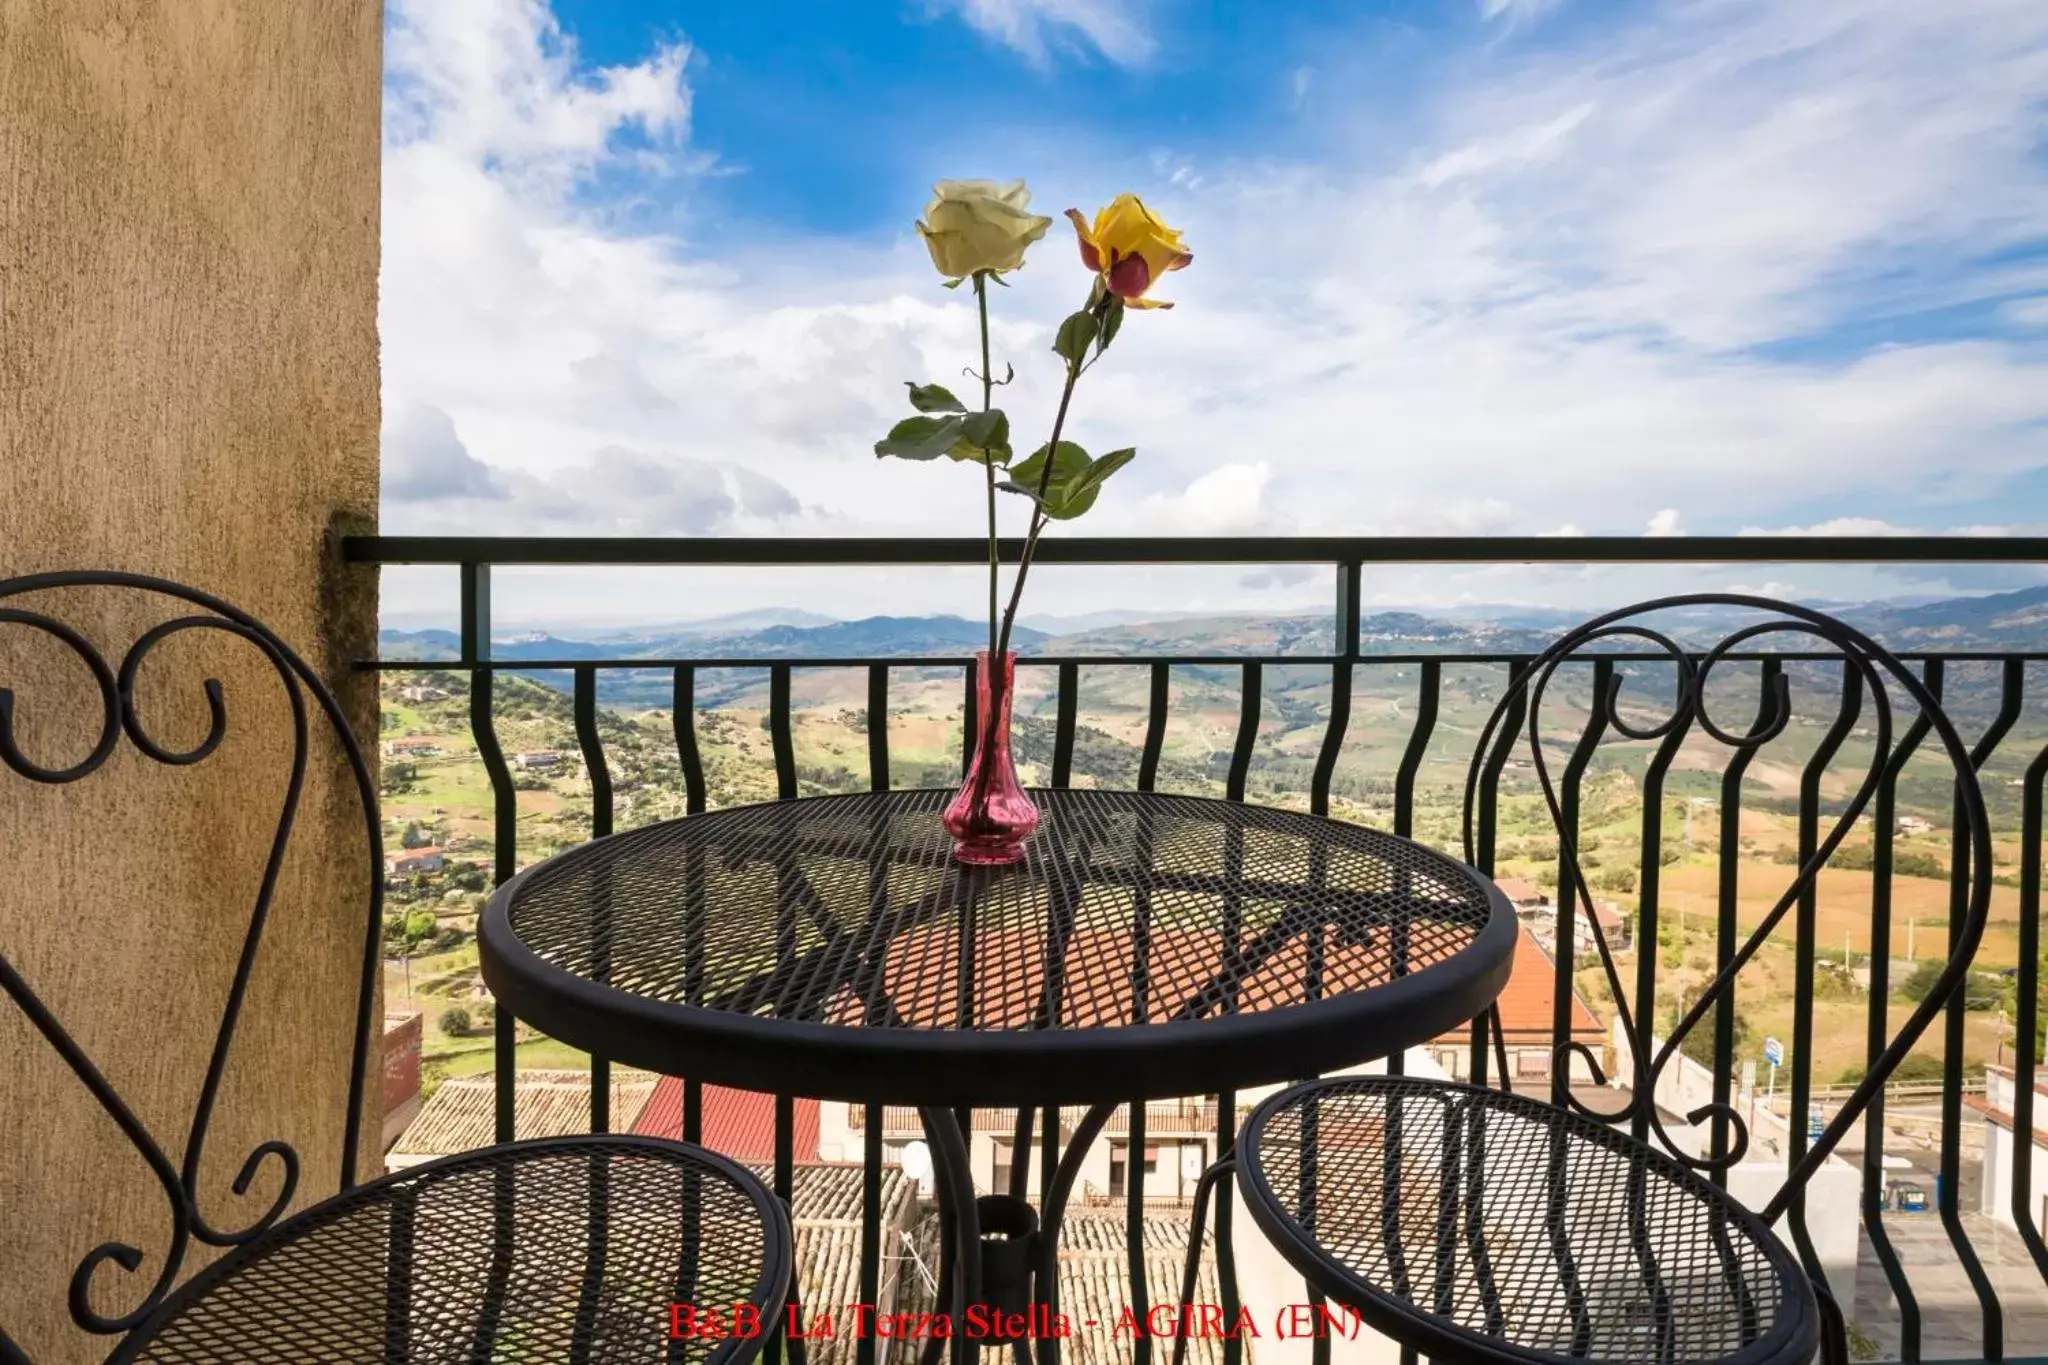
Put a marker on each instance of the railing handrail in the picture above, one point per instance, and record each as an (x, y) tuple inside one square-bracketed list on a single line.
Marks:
[(879, 550)]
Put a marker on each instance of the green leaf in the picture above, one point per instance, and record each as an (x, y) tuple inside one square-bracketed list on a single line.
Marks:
[(955, 284), (1072, 460), (920, 438), (933, 398), (1076, 334), (1090, 479), (1012, 486), (984, 437), (1111, 321), (1062, 500)]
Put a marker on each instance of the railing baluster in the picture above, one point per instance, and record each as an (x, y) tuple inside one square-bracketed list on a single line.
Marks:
[(1333, 737), (1563, 994), (871, 1225), (2026, 1011), (1806, 929), (778, 732), (785, 1190), (1487, 797), (600, 777), (1883, 825), (1947, 1196), (683, 719), (1226, 1255), (476, 649), (878, 741), (1726, 887), (1429, 688), (1340, 689), (1155, 729), (1651, 867), (1485, 821), (1066, 704), (1139, 1297), (1247, 733)]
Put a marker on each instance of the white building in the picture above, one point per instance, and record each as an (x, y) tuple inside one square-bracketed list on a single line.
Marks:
[(1834, 1208), (2001, 1093), (1179, 1142)]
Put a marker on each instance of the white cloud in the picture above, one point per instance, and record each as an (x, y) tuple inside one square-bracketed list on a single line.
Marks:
[(1665, 523), (1114, 28), (1838, 526), (2031, 312), (1516, 11), (1554, 315), (602, 380), (425, 461), (1227, 500)]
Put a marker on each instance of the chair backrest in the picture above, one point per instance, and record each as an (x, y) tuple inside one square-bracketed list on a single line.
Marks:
[(27, 604), (1805, 639)]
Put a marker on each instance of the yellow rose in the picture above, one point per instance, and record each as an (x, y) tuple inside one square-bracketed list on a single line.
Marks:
[(1129, 249), (975, 225)]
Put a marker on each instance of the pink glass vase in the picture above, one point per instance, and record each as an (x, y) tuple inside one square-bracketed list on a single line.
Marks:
[(991, 817)]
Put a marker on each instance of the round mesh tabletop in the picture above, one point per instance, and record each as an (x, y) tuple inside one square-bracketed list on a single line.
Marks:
[(1147, 946), (1474, 1224), (568, 1249)]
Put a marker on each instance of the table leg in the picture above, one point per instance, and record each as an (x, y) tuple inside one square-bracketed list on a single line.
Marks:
[(959, 1265)]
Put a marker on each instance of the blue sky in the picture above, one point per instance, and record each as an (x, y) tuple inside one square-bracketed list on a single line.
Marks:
[(1466, 266)]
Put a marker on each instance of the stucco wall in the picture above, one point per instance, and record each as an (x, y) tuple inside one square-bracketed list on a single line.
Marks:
[(188, 387)]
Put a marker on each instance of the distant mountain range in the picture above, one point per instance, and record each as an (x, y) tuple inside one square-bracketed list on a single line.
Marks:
[(2010, 620), (882, 636)]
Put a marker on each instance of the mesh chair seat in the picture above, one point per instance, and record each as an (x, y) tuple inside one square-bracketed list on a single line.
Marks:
[(1475, 1224), (562, 1250)]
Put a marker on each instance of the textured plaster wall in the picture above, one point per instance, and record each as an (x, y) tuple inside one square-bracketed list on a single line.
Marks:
[(188, 387)]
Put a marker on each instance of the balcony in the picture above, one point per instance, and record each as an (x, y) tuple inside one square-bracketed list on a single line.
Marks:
[(1924, 1231)]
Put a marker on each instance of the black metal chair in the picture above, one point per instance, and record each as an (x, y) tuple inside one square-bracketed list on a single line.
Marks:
[(559, 1250), (1475, 1224)]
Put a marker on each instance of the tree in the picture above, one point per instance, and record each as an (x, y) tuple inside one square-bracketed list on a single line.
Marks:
[(1920, 980), (455, 1022), (405, 934), (1981, 990), (1699, 1044)]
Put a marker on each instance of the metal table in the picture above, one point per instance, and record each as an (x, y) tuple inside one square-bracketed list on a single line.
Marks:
[(1148, 947)]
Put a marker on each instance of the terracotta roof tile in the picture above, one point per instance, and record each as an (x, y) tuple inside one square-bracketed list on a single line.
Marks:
[(463, 1113), (1528, 1001), (739, 1123)]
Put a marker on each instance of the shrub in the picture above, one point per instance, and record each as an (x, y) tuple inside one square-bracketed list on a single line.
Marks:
[(1981, 990), (1918, 1068), (455, 1022), (1831, 981), (1910, 864), (1622, 879)]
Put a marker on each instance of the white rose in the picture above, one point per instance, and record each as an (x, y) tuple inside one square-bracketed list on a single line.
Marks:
[(976, 225)]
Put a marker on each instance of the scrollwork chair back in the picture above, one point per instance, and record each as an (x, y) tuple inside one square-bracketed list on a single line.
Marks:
[(1873, 672), (114, 679)]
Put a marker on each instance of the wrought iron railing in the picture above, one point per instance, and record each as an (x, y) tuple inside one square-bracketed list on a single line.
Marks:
[(1992, 731)]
